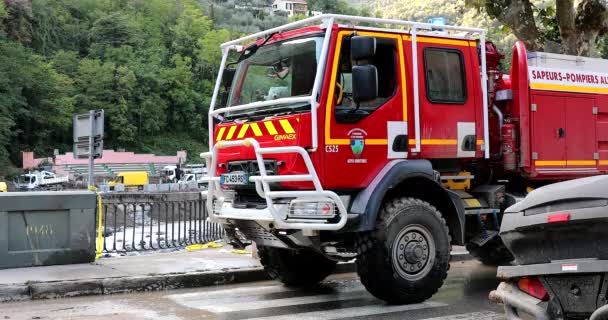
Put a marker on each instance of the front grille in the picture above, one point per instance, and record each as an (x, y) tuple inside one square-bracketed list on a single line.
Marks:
[(248, 199), (246, 196), (251, 167)]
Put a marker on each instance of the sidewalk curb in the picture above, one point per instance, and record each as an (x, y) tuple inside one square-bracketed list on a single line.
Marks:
[(106, 286)]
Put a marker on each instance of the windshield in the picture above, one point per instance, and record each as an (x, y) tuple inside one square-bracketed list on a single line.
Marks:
[(279, 70)]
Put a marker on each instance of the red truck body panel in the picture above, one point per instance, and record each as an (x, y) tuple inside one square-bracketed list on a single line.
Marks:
[(346, 170), (561, 120), (566, 137)]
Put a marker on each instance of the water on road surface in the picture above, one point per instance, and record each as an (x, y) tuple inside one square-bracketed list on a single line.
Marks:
[(463, 297)]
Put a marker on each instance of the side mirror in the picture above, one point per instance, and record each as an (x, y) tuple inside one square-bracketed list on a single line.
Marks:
[(223, 99), (227, 77), (362, 48), (365, 83)]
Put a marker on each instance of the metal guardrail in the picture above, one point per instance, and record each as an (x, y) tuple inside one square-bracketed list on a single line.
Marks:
[(155, 221)]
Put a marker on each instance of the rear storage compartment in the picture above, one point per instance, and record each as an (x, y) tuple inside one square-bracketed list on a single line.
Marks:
[(564, 119), (562, 221)]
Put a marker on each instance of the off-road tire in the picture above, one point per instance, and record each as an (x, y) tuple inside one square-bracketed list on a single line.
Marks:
[(293, 268), (493, 253), (380, 276)]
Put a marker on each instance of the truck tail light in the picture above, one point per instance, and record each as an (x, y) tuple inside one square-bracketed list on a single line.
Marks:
[(533, 287), (558, 217)]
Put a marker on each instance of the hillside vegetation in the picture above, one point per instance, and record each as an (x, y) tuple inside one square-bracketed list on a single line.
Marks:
[(150, 64)]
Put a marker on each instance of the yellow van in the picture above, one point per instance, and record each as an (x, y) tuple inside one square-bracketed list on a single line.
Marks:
[(132, 179), (3, 187)]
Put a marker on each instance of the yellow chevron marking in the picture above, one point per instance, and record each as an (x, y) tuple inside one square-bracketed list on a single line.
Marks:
[(286, 126), (220, 134), (230, 132), (270, 127), (256, 130), (243, 131)]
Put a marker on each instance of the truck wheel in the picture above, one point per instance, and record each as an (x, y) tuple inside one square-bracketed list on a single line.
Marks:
[(295, 268), (493, 253), (407, 257)]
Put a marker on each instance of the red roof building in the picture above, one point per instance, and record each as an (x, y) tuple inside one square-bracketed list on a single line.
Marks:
[(111, 162)]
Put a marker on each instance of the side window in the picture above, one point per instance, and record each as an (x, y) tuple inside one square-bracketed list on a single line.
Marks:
[(385, 61), (445, 75)]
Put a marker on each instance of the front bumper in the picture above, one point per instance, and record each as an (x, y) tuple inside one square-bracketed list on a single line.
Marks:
[(277, 211)]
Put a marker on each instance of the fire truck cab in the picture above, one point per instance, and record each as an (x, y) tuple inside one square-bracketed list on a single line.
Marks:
[(332, 139)]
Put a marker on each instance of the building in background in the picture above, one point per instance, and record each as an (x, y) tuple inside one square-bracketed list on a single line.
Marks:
[(111, 163), (292, 7)]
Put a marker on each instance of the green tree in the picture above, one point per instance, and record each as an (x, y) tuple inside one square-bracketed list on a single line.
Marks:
[(150, 65), (565, 26), (3, 12)]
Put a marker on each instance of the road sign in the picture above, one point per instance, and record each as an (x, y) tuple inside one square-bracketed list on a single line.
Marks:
[(85, 128), (81, 149), (88, 138)]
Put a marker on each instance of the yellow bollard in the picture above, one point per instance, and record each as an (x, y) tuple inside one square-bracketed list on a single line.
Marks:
[(99, 243)]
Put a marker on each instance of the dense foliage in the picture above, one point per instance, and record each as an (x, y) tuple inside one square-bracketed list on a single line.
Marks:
[(150, 64), (564, 26)]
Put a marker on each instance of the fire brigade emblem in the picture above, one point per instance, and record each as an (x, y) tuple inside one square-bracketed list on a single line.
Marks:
[(357, 141)]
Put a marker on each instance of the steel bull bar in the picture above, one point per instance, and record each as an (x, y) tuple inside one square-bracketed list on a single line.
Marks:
[(221, 209)]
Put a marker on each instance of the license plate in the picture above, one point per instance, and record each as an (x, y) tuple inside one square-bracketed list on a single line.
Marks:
[(234, 179)]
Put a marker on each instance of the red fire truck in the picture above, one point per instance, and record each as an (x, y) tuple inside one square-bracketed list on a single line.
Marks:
[(334, 139)]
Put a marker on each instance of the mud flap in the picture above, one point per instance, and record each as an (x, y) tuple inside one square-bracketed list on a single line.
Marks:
[(484, 237)]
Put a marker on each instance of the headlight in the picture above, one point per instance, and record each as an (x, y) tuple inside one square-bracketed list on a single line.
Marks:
[(309, 209)]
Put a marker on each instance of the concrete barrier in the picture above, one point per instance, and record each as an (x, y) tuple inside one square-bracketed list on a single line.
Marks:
[(151, 188), (163, 187), (160, 187), (47, 228)]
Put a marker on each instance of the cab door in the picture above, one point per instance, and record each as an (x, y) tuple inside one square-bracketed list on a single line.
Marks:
[(449, 98), (359, 141)]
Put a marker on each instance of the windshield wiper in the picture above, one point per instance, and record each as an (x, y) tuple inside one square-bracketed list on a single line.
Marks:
[(254, 48)]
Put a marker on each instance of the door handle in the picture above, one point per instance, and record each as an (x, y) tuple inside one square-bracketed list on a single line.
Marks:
[(561, 132)]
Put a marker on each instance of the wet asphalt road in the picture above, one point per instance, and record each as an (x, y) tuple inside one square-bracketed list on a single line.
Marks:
[(463, 296)]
